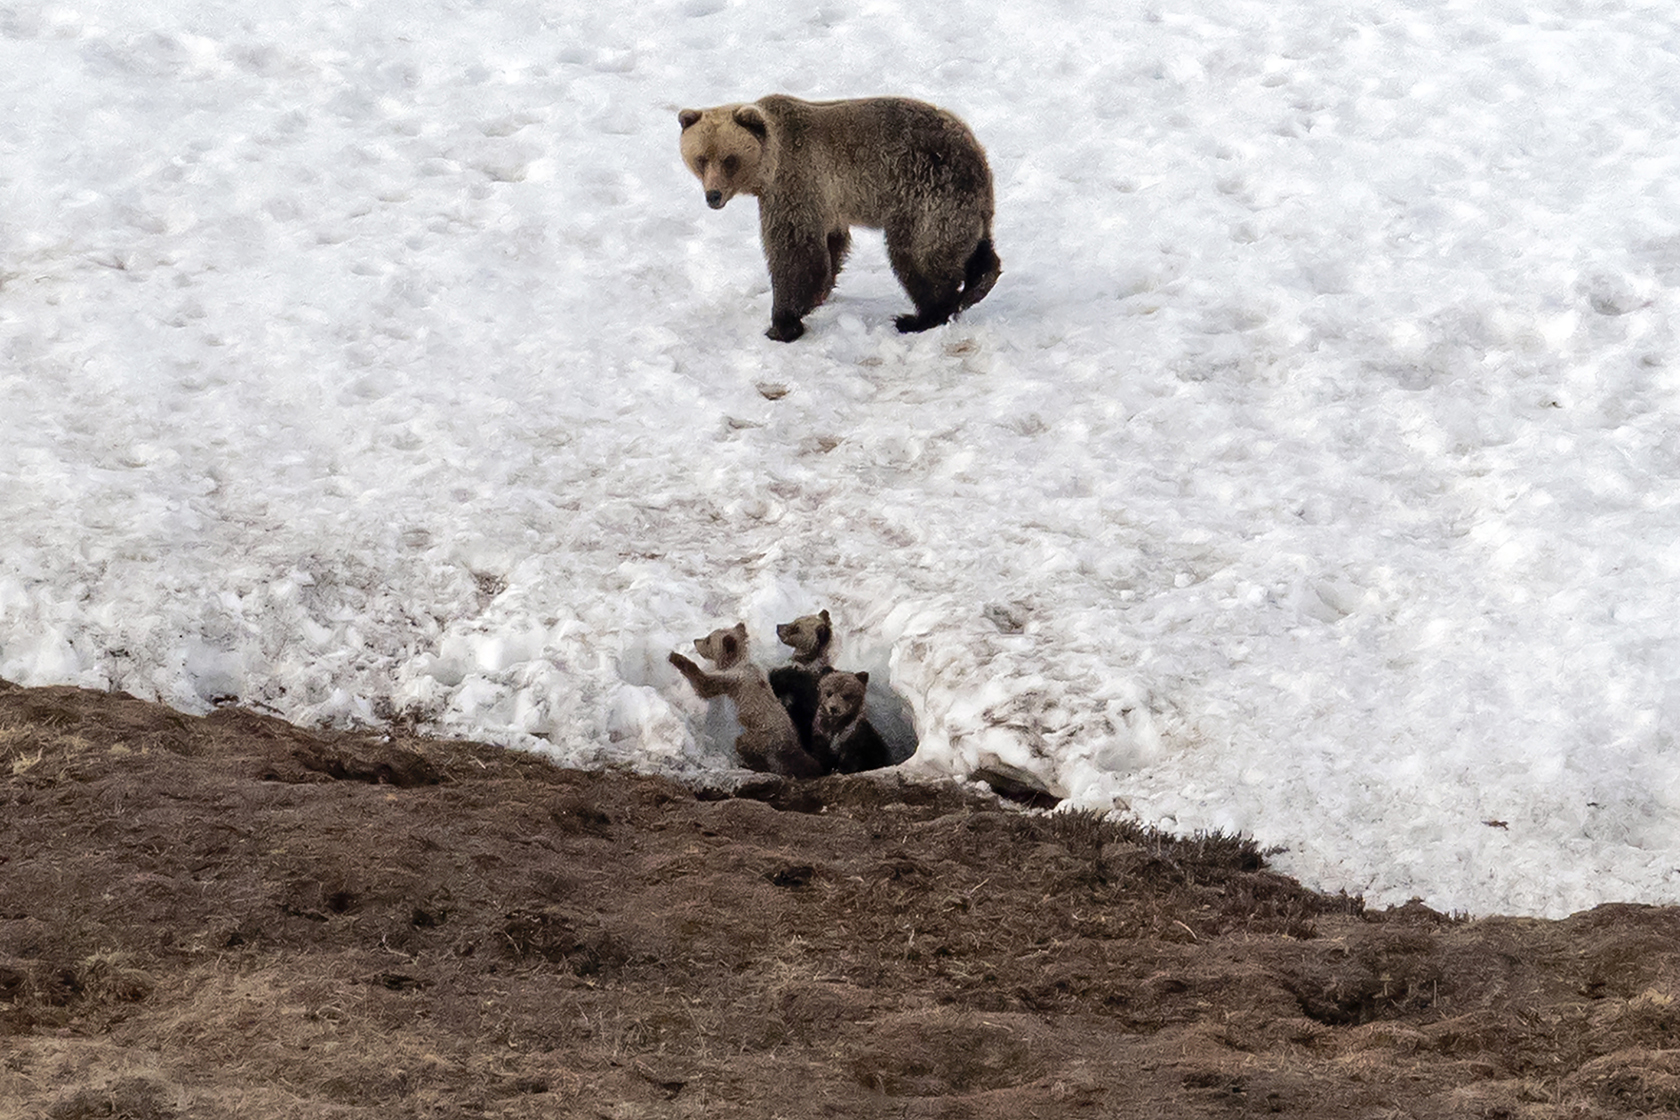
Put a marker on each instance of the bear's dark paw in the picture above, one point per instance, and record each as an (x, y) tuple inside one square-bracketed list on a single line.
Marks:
[(784, 328), (915, 324)]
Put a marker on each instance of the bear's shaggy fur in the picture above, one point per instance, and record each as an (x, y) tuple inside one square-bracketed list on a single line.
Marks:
[(811, 636), (767, 742), (818, 168), (843, 739)]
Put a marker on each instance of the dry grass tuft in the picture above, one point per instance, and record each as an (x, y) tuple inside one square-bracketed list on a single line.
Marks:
[(38, 753)]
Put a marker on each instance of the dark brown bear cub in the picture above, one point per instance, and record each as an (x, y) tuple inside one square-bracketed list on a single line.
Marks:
[(795, 684), (820, 167), (842, 739)]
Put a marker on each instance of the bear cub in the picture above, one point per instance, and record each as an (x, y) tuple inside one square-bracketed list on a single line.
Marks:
[(842, 737), (768, 741), (795, 685), (818, 168)]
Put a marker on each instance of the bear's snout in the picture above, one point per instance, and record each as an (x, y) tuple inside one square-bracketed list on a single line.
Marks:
[(714, 199)]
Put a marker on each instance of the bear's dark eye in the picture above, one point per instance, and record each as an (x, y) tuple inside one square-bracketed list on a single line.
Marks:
[(730, 163), (700, 164)]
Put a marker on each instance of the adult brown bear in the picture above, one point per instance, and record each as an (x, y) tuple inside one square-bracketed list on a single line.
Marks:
[(818, 168)]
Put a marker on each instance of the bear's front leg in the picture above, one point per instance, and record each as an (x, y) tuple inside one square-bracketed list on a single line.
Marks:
[(705, 684), (784, 326), (801, 274)]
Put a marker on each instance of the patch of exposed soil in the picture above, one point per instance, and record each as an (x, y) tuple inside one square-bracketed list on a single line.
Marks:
[(233, 917)]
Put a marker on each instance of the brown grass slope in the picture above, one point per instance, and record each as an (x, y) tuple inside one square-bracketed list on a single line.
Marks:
[(233, 917)]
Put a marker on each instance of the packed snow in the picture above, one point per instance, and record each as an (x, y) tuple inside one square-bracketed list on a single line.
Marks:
[(1311, 472)]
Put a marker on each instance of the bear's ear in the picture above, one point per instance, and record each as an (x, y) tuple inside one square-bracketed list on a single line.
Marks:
[(688, 117), (751, 118), (863, 679), (824, 614)]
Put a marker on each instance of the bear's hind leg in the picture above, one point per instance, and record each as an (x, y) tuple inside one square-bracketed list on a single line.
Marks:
[(979, 274), (933, 280), (750, 749)]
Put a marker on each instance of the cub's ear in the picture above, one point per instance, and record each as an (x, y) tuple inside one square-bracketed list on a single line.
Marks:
[(751, 118), (863, 679), (824, 614), (688, 117)]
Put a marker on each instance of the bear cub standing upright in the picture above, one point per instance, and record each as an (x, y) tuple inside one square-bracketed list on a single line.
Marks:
[(767, 741), (818, 168)]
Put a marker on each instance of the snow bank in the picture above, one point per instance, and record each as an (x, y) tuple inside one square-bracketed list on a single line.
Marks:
[(1310, 472)]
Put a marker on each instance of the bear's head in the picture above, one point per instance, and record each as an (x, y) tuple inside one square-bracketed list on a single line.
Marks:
[(809, 635), (840, 700), (723, 648), (725, 148)]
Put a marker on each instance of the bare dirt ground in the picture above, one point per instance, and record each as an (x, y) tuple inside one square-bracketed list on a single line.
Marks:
[(233, 917)]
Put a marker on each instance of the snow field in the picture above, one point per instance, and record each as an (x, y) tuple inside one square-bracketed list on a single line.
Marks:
[(1310, 472)]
